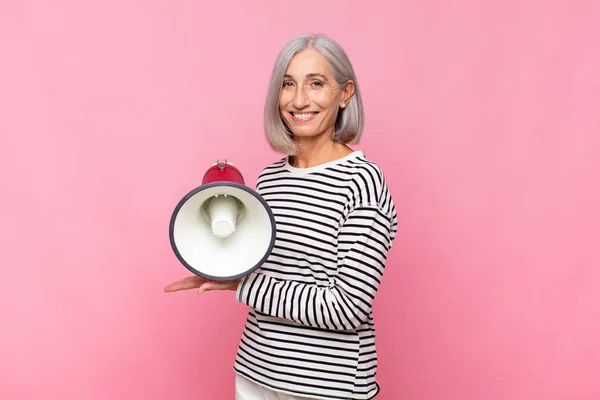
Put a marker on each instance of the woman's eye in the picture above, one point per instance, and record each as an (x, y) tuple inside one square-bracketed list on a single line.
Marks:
[(287, 84), (317, 83)]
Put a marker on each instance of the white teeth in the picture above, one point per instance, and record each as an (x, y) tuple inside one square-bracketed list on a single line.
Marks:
[(304, 116)]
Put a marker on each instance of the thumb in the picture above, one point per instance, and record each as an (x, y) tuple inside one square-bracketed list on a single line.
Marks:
[(211, 285)]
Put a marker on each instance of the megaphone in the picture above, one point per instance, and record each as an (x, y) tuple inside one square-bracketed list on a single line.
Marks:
[(222, 229)]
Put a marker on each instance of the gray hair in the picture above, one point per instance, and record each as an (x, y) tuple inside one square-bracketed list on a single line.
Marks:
[(350, 120)]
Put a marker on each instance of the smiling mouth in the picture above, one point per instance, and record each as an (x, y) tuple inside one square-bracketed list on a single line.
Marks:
[(303, 116)]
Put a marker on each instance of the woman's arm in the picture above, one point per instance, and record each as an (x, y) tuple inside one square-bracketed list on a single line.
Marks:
[(363, 244)]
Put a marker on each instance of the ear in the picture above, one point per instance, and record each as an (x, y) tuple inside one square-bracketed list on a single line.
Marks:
[(347, 93)]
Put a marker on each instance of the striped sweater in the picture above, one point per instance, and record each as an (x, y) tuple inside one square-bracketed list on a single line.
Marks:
[(310, 330)]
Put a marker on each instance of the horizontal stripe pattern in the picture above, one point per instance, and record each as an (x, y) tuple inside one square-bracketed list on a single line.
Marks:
[(310, 329)]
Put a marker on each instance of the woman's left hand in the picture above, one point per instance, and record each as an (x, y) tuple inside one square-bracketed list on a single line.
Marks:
[(203, 285)]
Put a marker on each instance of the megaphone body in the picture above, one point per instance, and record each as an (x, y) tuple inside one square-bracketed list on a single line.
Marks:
[(222, 230)]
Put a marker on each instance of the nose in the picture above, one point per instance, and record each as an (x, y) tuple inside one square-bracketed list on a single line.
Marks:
[(300, 100)]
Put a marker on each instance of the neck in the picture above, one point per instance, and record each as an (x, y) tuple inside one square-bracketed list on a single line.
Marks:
[(317, 150)]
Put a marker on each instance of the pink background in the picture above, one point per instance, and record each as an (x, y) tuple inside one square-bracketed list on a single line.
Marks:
[(485, 116)]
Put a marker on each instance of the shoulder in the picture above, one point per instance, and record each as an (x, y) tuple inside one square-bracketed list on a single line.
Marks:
[(273, 166), (370, 199), (368, 180), (373, 192), (271, 169)]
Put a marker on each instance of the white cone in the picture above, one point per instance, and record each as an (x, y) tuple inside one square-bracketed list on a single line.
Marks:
[(223, 212)]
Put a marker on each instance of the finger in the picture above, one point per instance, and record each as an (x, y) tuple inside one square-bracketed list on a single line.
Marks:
[(212, 285), (182, 284), (191, 282)]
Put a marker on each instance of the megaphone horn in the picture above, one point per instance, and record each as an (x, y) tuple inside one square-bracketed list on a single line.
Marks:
[(222, 230)]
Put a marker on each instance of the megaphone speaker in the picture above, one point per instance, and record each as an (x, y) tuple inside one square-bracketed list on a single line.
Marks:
[(222, 230)]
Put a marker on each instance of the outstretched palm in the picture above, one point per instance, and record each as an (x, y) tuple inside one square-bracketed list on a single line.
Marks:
[(196, 282)]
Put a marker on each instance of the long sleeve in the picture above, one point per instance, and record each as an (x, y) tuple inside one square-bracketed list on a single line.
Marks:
[(363, 244)]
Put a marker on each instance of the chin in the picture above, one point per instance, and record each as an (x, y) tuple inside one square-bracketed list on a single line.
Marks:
[(304, 134)]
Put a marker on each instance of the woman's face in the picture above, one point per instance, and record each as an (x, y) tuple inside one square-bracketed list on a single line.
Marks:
[(310, 97)]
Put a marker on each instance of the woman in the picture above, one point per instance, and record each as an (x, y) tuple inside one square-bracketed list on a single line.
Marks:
[(309, 331)]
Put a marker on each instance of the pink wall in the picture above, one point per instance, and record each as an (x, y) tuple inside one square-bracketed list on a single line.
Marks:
[(485, 116)]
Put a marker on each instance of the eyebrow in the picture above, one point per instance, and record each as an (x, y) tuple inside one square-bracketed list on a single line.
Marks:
[(311, 75)]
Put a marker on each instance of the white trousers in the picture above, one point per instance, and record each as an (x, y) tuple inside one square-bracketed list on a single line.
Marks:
[(248, 390)]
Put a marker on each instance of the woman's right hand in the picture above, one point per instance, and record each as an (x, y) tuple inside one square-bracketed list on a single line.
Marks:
[(203, 285), (191, 282)]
